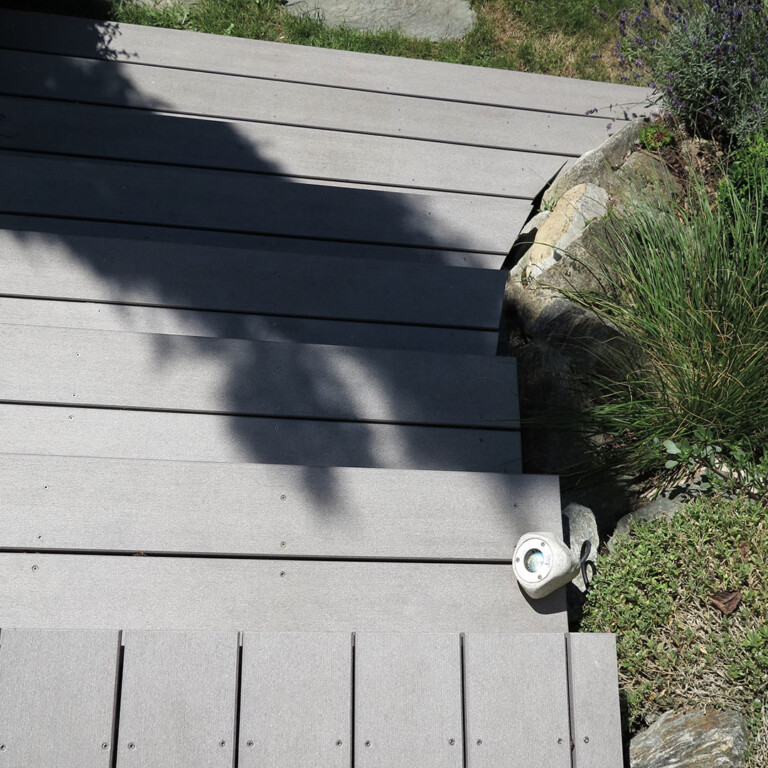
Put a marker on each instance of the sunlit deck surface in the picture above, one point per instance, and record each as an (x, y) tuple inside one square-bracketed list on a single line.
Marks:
[(260, 473)]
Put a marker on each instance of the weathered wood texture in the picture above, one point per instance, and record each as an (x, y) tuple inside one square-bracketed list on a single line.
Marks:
[(296, 700), (57, 697), (101, 591), (233, 280), (253, 327), (232, 376), (282, 150), (594, 692), (178, 702), (206, 437), (52, 503), (408, 701), (516, 701), (278, 61)]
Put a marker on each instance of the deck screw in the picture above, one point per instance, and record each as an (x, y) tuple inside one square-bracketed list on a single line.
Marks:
[(39, 536), (250, 742), (282, 543), (451, 741), (283, 497), (131, 745), (34, 567), (2, 747), (559, 741), (367, 743), (282, 573), (276, 427), (222, 743), (479, 742), (104, 745), (586, 739), (338, 742)]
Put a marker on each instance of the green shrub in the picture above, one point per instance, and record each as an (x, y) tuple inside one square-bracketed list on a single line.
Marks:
[(686, 301), (747, 172), (675, 648), (707, 60), (654, 137)]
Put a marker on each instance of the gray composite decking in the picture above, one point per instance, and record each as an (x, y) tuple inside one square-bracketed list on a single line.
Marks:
[(260, 464)]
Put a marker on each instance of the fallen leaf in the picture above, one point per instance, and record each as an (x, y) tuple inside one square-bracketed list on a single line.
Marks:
[(727, 602), (744, 549)]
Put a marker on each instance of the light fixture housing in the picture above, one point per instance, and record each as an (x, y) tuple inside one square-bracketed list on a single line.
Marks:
[(543, 563)]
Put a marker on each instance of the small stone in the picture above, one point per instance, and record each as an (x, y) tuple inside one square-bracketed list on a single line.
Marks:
[(435, 20), (655, 510), (698, 739), (582, 527)]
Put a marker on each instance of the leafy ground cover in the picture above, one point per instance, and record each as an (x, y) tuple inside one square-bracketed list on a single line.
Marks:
[(688, 601), (559, 37)]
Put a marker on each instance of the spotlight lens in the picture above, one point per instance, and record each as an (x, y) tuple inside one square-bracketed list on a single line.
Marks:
[(534, 560)]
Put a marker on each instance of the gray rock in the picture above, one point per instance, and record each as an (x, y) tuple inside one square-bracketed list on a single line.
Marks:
[(597, 165), (645, 175), (435, 20), (582, 527), (656, 509), (698, 739)]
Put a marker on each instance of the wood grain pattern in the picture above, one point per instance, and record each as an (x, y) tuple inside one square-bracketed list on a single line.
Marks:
[(516, 701), (178, 701), (408, 701), (57, 697), (594, 692), (233, 376), (296, 698), (126, 42), (52, 503), (163, 593)]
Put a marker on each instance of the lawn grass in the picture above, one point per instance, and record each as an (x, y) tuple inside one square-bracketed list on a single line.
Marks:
[(556, 37)]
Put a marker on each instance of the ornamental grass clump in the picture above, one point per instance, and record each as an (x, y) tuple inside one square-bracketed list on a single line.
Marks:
[(685, 297), (707, 60)]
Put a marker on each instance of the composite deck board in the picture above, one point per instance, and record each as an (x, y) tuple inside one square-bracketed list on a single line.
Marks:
[(57, 697), (296, 700), (186, 276), (408, 693), (220, 200), (62, 366), (297, 104), (228, 325), (594, 692), (516, 701), (126, 42), (62, 431), (51, 503), (113, 592), (53, 229), (56, 127), (178, 699)]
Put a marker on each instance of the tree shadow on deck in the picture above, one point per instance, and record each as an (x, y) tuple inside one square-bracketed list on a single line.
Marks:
[(193, 181)]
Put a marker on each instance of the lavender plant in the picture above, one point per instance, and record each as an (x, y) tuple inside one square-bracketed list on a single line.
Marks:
[(706, 59)]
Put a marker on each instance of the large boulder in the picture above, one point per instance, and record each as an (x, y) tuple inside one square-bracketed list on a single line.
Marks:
[(698, 739)]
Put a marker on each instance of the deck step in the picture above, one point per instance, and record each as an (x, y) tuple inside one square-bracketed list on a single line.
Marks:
[(181, 699), (245, 203), (268, 511), (88, 369), (300, 153), (128, 43), (199, 277)]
